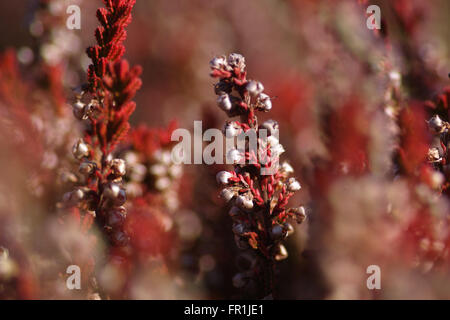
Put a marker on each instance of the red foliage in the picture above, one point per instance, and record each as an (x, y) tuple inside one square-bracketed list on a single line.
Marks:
[(114, 18), (414, 138)]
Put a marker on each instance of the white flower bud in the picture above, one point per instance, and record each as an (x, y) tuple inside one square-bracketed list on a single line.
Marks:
[(254, 88), (231, 129), (218, 63), (79, 110), (437, 179), (227, 194), (289, 228), (115, 193), (435, 124), (244, 202), (433, 155), (300, 213), (73, 197), (118, 167), (224, 102), (287, 168), (162, 183), (271, 126), (236, 60), (223, 176), (234, 156), (293, 185), (131, 158), (68, 177), (137, 172), (134, 189), (277, 149), (80, 149), (175, 171), (265, 101), (87, 167), (158, 170), (281, 253), (166, 157)]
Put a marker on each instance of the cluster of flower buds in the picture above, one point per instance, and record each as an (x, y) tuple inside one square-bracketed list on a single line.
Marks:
[(156, 173), (438, 154), (258, 189), (56, 43), (232, 74), (151, 170), (101, 192)]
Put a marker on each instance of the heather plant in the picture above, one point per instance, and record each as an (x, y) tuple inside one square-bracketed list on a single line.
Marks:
[(258, 201), (108, 105), (362, 114)]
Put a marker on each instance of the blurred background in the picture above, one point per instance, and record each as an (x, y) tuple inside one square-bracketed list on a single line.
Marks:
[(351, 104)]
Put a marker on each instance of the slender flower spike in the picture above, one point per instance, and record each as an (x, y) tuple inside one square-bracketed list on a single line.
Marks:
[(258, 199)]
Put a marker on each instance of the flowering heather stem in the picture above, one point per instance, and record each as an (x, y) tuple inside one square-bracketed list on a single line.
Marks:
[(105, 107), (258, 188)]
